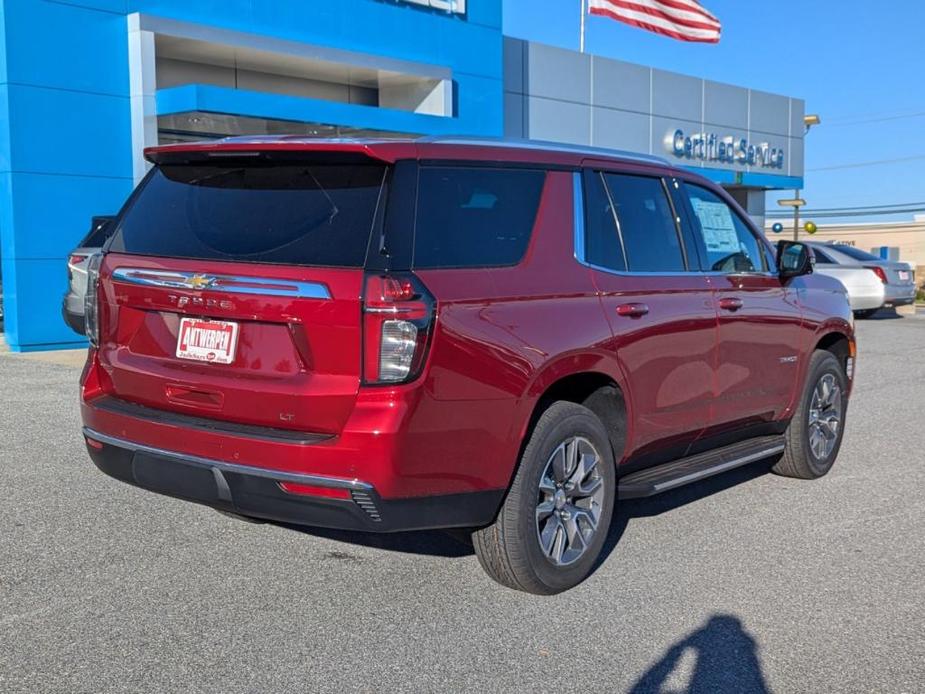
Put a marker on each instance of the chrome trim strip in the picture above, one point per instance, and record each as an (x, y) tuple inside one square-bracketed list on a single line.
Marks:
[(622, 273), (578, 225), (578, 210), (728, 465), (197, 281), (394, 310), (277, 475), (689, 273)]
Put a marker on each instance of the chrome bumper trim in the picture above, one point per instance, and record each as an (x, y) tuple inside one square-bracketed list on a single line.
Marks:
[(277, 475)]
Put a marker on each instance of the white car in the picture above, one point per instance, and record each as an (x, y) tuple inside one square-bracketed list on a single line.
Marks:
[(866, 291), (897, 278)]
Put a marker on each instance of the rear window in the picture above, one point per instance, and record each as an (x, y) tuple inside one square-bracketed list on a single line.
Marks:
[(302, 214), (855, 253), (822, 256), (475, 217)]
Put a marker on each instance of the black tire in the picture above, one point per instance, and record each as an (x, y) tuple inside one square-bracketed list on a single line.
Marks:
[(509, 550), (866, 313), (799, 459)]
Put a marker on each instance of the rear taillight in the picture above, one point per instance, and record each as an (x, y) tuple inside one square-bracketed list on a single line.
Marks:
[(91, 300), (879, 272), (76, 259), (398, 315)]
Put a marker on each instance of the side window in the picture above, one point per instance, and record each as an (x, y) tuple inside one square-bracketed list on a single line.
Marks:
[(822, 257), (475, 216), (731, 246), (602, 242), (646, 224)]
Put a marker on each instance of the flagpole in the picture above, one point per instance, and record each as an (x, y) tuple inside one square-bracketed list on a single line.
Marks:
[(581, 35)]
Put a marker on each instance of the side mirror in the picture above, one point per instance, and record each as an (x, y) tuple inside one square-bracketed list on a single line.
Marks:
[(794, 259)]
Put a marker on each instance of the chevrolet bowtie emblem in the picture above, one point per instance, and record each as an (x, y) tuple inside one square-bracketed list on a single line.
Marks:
[(200, 282)]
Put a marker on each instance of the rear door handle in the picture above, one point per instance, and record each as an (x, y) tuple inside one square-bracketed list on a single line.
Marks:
[(632, 310), (730, 304)]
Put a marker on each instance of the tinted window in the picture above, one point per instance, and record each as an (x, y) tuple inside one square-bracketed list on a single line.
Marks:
[(292, 213), (100, 230), (475, 217), (602, 242), (646, 224), (822, 256), (770, 256), (731, 246), (855, 253)]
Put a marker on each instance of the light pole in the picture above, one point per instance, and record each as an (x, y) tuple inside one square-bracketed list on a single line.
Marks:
[(796, 202), (809, 120)]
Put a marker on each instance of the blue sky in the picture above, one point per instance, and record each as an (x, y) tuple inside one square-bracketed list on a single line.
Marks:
[(851, 60)]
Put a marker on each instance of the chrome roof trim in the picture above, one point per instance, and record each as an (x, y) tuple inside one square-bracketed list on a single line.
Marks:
[(545, 146)]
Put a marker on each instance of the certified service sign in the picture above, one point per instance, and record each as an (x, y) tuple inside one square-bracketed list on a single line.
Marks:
[(725, 149)]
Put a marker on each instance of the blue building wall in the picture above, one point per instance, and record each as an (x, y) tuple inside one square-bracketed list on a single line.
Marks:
[(65, 127)]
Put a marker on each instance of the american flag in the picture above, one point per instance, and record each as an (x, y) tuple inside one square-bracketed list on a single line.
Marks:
[(685, 20)]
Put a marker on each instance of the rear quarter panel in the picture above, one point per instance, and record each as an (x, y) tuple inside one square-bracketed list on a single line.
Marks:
[(502, 336)]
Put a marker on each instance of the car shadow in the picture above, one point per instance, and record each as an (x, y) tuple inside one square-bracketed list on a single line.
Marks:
[(435, 543), (720, 657), (888, 313), (456, 543), (627, 509)]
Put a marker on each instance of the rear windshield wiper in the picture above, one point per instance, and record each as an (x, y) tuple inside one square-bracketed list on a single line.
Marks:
[(334, 209)]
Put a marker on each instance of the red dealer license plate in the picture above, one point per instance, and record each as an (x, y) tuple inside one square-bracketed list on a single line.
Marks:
[(207, 340)]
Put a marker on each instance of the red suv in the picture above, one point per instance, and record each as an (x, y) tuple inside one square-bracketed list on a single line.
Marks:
[(394, 335)]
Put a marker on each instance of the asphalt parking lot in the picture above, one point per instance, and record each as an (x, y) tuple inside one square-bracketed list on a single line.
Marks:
[(747, 582)]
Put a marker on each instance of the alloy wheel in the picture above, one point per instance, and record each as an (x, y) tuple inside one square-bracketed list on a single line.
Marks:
[(825, 414), (569, 501)]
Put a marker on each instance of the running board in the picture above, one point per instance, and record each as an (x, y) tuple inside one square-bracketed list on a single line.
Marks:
[(661, 478)]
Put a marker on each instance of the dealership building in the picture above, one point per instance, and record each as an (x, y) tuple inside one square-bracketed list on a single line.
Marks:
[(85, 85)]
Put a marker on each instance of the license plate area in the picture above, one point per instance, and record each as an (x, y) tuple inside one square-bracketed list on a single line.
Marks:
[(209, 341), (904, 275)]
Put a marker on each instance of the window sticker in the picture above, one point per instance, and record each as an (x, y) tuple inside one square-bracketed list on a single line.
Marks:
[(719, 232)]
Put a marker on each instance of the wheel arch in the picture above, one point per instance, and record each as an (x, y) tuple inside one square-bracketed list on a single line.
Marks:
[(842, 345), (836, 342), (591, 380)]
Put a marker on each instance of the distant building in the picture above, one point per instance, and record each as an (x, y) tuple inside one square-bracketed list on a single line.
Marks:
[(908, 237)]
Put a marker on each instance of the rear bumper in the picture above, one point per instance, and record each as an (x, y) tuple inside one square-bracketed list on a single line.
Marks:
[(900, 295), (256, 492)]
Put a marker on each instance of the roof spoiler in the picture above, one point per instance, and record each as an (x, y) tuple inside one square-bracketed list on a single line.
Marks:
[(327, 151)]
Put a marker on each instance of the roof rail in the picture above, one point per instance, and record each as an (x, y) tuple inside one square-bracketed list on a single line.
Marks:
[(543, 145)]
